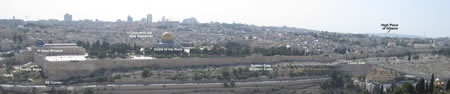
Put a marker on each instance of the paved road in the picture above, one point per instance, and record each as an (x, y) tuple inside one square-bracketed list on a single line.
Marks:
[(132, 85)]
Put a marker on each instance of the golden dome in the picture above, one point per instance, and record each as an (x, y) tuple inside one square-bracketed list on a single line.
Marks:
[(166, 36)]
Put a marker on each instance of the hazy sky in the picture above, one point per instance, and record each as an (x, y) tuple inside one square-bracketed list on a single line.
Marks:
[(415, 17)]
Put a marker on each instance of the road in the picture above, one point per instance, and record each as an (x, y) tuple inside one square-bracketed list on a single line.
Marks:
[(171, 84)]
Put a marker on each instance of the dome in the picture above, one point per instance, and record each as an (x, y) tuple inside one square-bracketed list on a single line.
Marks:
[(166, 36)]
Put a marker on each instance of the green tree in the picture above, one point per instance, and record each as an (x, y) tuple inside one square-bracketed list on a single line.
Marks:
[(8, 68), (137, 49), (96, 45), (448, 85), (34, 91), (101, 54), (336, 81), (398, 90), (39, 42), (226, 85), (88, 91), (117, 77), (444, 51), (409, 56), (101, 79), (232, 84), (409, 88), (426, 88), (416, 57), (198, 75), (226, 74), (420, 86), (431, 84), (9, 65), (146, 73), (87, 45)]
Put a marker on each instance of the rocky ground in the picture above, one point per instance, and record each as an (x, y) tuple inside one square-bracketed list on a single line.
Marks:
[(423, 66)]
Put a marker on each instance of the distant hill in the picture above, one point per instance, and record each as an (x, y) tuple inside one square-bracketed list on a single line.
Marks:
[(394, 35)]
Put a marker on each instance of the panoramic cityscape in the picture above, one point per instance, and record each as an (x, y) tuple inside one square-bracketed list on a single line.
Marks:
[(148, 54)]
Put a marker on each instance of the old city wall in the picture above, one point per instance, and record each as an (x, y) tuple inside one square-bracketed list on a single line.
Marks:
[(64, 70)]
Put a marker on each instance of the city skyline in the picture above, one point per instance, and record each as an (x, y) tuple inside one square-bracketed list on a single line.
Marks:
[(421, 18)]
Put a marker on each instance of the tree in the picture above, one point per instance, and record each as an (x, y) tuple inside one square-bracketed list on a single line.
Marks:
[(34, 91), (146, 73), (101, 79), (420, 87), (87, 45), (198, 75), (336, 81), (393, 86), (226, 85), (9, 65), (426, 88), (117, 77), (96, 45), (341, 50), (409, 56), (408, 87), (101, 54), (88, 91), (137, 49), (431, 84), (39, 42), (226, 74), (104, 46), (448, 85), (398, 90), (444, 51), (416, 57), (232, 84)]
